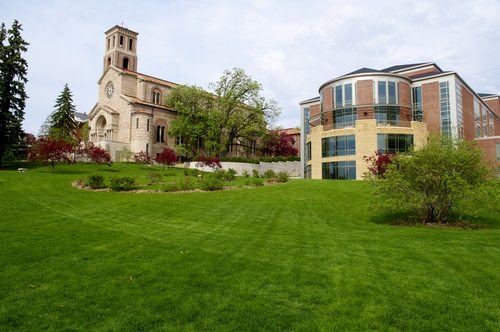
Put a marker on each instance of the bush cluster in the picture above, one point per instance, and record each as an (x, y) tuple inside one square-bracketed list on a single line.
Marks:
[(95, 181), (212, 181), (124, 183)]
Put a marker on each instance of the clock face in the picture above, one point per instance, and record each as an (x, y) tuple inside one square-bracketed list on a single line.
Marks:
[(109, 89)]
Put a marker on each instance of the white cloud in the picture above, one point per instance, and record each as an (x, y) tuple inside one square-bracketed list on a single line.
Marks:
[(291, 47)]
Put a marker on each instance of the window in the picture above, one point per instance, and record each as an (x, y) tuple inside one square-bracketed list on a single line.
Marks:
[(307, 127), (307, 172), (444, 104), (160, 134), (477, 119), (137, 123), (253, 146), (308, 151), (340, 170), (348, 94), (199, 143), (147, 125), (130, 41), (121, 41), (338, 146), (498, 151), (125, 63), (382, 93), (155, 97), (460, 114), (417, 111), (113, 41), (386, 93), (107, 47), (387, 115), (343, 95), (345, 117), (392, 143), (147, 148)]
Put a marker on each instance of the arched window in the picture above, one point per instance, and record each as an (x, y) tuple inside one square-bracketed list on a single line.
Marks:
[(121, 41), (155, 96), (113, 41), (109, 61), (160, 134), (125, 63), (108, 44), (130, 44), (137, 123), (147, 124)]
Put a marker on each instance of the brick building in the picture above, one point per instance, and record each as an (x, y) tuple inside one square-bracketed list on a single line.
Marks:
[(391, 110)]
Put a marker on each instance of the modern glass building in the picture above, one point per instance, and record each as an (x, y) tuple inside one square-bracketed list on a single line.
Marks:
[(391, 110)]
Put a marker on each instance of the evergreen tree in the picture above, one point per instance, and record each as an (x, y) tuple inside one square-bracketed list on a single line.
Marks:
[(13, 71), (63, 124)]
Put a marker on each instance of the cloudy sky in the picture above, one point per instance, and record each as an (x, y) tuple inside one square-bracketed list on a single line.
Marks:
[(290, 47)]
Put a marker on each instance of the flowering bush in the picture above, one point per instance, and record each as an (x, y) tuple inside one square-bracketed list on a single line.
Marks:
[(142, 158), (98, 155), (167, 157), (377, 164), (50, 151), (212, 162)]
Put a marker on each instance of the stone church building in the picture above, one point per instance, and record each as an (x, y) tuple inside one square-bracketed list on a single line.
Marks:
[(130, 114)]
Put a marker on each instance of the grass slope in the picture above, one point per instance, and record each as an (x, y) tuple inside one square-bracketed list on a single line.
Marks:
[(299, 256)]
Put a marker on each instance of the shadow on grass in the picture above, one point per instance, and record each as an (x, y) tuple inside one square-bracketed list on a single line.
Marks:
[(14, 165), (401, 218)]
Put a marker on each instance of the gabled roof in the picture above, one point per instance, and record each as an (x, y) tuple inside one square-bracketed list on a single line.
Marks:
[(363, 70), (135, 100), (81, 117), (151, 78), (310, 100), (488, 95), (401, 67), (416, 77)]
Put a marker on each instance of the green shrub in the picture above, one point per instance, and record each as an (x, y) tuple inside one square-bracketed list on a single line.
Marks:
[(188, 183), (255, 173), (170, 174), (282, 177), (153, 177), (269, 174), (258, 182), (245, 174), (230, 174), (212, 182), (95, 181), (170, 187), (191, 172), (121, 184)]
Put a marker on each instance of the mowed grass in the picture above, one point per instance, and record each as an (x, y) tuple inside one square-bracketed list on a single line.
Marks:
[(305, 255)]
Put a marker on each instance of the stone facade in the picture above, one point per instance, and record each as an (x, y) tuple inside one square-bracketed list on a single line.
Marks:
[(130, 112), (369, 108)]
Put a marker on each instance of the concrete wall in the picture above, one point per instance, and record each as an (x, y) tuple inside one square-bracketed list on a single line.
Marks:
[(293, 168)]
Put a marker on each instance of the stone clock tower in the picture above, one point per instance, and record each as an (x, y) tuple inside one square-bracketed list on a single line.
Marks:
[(121, 48), (130, 114)]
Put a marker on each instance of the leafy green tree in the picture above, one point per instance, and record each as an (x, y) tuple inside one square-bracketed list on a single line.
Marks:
[(193, 106), (13, 71), (63, 124), (234, 113), (434, 182), (241, 113)]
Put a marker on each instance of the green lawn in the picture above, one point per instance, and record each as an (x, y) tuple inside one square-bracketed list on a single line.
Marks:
[(305, 255)]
